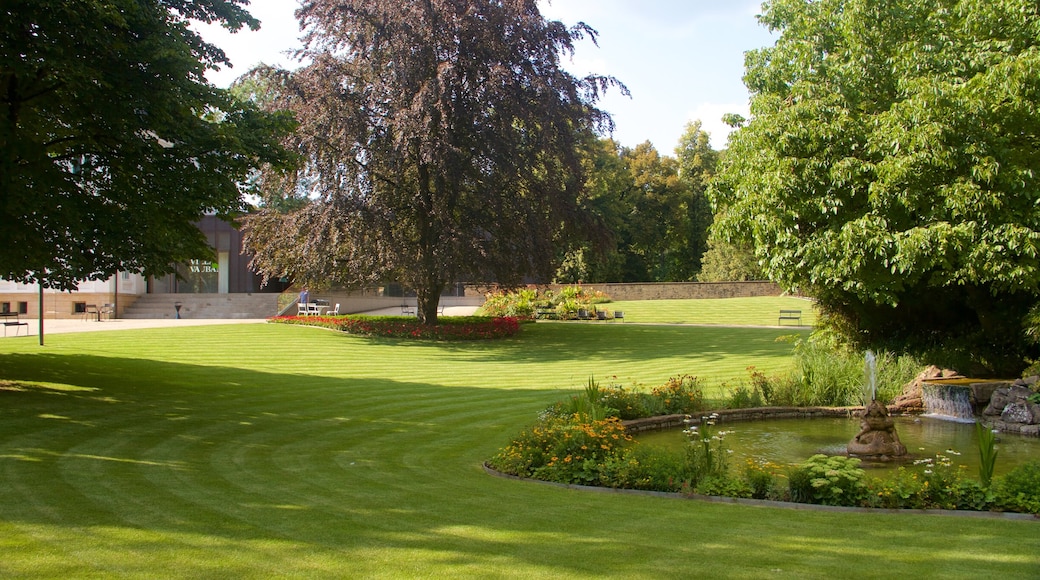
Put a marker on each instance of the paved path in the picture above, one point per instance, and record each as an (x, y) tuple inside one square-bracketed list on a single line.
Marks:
[(79, 325)]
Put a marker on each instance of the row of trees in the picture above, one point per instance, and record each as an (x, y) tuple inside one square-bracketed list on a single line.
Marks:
[(652, 208)]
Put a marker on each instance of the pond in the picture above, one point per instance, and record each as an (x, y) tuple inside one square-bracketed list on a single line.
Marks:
[(791, 441)]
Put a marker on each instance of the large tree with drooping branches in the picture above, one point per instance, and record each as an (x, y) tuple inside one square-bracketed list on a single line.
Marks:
[(440, 140)]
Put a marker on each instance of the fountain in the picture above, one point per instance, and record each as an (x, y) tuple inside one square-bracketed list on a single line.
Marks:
[(877, 439), (789, 436)]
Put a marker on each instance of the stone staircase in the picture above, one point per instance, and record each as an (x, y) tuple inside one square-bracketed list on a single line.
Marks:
[(158, 306)]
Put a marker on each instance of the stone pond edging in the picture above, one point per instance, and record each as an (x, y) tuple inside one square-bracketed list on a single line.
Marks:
[(661, 422)]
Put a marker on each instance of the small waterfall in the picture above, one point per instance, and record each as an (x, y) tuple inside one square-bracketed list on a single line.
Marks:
[(947, 401)]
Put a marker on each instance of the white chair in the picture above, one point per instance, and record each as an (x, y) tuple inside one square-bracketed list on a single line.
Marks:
[(334, 311), (302, 309)]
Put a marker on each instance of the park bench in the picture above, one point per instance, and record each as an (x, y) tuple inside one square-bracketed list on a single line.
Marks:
[(795, 315), (11, 319), (409, 310)]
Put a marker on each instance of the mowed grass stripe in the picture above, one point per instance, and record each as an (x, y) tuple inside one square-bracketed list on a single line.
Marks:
[(761, 311), (185, 455)]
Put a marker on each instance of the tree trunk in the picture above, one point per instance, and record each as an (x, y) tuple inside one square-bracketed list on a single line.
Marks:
[(427, 300)]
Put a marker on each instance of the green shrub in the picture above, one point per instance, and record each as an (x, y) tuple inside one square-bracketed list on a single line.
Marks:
[(828, 480), (680, 395), (723, 486), (763, 479), (1019, 490), (562, 449), (648, 468), (744, 398), (526, 302), (929, 484), (629, 404), (520, 303)]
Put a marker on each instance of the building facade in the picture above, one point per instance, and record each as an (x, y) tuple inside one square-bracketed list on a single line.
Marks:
[(229, 273)]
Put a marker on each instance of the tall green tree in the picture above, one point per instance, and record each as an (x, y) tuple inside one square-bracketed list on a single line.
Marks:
[(891, 167), (653, 207), (607, 183), (441, 143), (112, 143), (655, 222), (698, 163)]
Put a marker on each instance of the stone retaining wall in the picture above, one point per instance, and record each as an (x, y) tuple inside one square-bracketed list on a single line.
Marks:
[(684, 290)]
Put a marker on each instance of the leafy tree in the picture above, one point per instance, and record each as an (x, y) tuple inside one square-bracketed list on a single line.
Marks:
[(697, 167), (890, 167), (441, 143), (656, 218), (607, 184), (725, 262), (655, 222), (112, 143)]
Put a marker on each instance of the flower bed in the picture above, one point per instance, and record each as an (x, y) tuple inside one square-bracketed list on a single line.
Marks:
[(447, 328)]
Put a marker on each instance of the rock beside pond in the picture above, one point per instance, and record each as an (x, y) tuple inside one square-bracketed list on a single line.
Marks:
[(1006, 399), (910, 401), (1010, 409)]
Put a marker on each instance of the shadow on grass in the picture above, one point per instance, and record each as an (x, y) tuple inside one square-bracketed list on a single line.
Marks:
[(117, 463), (560, 342)]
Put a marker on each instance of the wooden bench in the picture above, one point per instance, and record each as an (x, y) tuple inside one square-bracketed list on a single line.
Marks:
[(11, 319), (790, 315), (545, 312)]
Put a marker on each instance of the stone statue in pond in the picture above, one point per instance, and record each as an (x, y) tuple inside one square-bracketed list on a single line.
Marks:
[(877, 438)]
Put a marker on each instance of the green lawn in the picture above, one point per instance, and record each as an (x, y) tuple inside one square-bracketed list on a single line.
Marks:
[(276, 451), (763, 311)]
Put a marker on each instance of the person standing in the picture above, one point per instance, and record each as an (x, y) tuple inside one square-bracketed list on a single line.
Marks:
[(305, 296)]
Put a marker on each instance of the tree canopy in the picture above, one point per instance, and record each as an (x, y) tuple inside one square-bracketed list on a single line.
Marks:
[(653, 207), (440, 141), (890, 167), (112, 143)]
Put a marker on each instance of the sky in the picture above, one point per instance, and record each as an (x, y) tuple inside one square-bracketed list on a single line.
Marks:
[(682, 60)]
